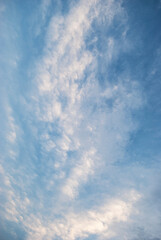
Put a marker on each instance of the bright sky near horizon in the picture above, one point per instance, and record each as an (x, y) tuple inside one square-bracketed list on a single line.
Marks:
[(80, 120)]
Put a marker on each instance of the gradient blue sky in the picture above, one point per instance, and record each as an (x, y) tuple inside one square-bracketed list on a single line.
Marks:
[(80, 112)]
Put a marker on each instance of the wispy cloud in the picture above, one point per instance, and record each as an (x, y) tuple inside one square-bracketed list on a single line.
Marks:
[(71, 225), (64, 169), (70, 95)]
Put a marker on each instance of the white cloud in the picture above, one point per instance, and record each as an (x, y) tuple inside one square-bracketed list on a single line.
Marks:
[(12, 133), (79, 126), (80, 173), (68, 98), (73, 225)]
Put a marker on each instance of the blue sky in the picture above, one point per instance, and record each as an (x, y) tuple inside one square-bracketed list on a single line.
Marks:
[(80, 112)]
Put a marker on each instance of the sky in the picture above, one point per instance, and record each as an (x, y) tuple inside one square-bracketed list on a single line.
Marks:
[(80, 110)]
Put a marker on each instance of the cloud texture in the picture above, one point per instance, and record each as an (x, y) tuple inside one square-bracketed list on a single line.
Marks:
[(73, 104)]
